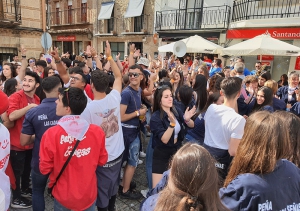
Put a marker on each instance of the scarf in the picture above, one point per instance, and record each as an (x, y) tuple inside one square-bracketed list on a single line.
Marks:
[(74, 125)]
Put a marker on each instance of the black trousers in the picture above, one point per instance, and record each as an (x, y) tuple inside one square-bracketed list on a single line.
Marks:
[(20, 163)]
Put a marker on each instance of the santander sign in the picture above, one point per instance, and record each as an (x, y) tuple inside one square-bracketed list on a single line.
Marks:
[(278, 33)]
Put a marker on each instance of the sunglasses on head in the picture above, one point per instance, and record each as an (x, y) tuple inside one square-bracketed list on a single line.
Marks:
[(133, 74), (163, 86)]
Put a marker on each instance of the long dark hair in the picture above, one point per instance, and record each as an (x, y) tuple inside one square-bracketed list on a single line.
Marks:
[(268, 98), (157, 99), (12, 69), (201, 91), (185, 95), (10, 86)]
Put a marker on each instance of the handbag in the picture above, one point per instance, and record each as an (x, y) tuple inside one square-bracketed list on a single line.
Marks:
[(63, 168)]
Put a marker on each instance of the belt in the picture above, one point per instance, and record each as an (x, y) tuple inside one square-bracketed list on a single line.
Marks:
[(128, 126), (113, 162)]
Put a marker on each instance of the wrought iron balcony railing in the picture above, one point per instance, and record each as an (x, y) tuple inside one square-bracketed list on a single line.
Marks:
[(264, 9), (69, 17), (216, 17), (10, 11)]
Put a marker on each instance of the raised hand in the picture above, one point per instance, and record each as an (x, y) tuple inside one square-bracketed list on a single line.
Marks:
[(137, 53), (54, 53), (172, 118), (93, 52), (189, 113), (132, 47), (23, 50), (118, 56), (88, 51), (107, 49)]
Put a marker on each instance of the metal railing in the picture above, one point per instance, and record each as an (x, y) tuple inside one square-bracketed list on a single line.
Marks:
[(69, 17), (264, 9), (10, 11), (216, 17)]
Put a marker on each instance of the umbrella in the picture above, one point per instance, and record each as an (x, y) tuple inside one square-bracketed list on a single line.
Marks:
[(194, 44), (262, 45)]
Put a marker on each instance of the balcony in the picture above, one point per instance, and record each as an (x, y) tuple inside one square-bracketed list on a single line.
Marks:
[(265, 9), (69, 17), (216, 17), (136, 25), (10, 13)]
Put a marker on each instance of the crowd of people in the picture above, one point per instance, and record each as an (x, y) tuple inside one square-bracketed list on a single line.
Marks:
[(221, 137)]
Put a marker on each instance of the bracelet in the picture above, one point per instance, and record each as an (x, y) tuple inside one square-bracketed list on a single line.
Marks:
[(137, 113), (131, 53), (57, 61), (109, 58), (24, 57), (172, 125)]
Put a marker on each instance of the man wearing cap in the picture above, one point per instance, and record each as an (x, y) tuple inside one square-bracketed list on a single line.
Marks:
[(4, 153)]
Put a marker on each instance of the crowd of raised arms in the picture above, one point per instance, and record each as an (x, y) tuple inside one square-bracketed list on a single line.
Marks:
[(220, 137)]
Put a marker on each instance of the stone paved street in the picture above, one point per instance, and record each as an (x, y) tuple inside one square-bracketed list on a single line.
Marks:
[(122, 204)]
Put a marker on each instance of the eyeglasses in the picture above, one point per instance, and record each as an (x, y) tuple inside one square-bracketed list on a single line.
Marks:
[(67, 94), (133, 74), (75, 78)]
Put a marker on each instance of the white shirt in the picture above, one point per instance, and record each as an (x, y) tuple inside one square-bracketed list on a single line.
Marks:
[(221, 124), (4, 158), (106, 114)]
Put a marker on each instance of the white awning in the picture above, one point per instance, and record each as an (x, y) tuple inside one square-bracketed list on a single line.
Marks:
[(135, 8), (70, 2), (106, 10), (83, 1)]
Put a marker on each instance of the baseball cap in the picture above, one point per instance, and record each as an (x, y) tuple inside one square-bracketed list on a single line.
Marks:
[(143, 61)]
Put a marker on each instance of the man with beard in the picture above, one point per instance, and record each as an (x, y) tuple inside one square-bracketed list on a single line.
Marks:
[(20, 156)]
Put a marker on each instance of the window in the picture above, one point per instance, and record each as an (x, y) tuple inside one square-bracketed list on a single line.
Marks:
[(139, 23), (83, 12), (57, 14), (111, 22), (1, 9), (69, 19), (116, 47)]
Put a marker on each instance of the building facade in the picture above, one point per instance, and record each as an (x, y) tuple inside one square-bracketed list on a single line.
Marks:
[(20, 23)]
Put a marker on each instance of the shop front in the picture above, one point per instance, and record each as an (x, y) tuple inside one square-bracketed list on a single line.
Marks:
[(74, 44), (277, 65)]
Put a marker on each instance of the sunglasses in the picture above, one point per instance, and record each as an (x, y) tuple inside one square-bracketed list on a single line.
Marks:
[(133, 74), (257, 66), (67, 94), (31, 61)]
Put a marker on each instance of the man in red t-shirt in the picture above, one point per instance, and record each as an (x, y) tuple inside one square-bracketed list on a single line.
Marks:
[(20, 156), (76, 189)]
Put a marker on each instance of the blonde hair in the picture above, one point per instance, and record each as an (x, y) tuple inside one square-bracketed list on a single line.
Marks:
[(272, 84)]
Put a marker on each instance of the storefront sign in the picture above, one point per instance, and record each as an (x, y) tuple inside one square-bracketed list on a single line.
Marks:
[(278, 33), (266, 63), (297, 64), (66, 38), (266, 57)]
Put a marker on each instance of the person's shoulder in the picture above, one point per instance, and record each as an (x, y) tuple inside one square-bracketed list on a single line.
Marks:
[(282, 89)]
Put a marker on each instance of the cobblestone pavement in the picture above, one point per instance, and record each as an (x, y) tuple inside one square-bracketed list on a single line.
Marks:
[(122, 204)]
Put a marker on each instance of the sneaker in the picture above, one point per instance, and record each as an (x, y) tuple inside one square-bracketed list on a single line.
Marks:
[(26, 193), (21, 203), (144, 192), (130, 195), (142, 154), (140, 162)]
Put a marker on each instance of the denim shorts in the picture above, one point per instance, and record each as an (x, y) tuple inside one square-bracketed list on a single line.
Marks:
[(134, 149)]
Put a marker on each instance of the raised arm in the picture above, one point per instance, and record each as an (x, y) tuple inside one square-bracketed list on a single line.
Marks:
[(24, 64), (95, 56), (89, 60), (117, 73), (119, 62), (130, 57), (63, 73)]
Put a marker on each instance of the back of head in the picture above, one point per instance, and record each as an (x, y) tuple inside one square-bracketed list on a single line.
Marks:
[(185, 94), (191, 186), (41, 63), (67, 61), (10, 86), (266, 75), (162, 74), (218, 62), (264, 142), (273, 85), (100, 80), (49, 83), (292, 123), (231, 87), (239, 67), (75, 99)]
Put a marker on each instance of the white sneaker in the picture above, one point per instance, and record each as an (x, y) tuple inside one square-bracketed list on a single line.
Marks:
[(144, 192), (142, 154), (140, 162)]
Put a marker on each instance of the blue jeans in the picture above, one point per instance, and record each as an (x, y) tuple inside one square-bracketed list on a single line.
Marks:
[(134, 151), (59, 207), (190, 138), (39, 182), (149, 159)]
